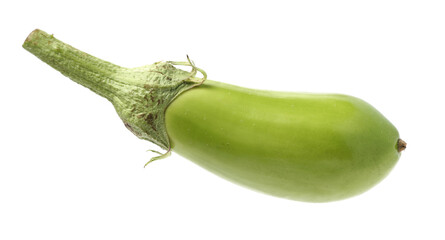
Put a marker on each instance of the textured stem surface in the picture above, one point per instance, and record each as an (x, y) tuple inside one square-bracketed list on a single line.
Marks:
[(87, 70), (140, 95)]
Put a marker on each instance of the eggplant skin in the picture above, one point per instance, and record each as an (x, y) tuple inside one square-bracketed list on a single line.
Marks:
[(299, 146)]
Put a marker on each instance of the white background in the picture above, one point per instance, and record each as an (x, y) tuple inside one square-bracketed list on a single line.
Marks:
[(70, 170)]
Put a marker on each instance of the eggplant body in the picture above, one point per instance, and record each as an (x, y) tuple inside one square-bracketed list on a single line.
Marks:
[(300, 146)]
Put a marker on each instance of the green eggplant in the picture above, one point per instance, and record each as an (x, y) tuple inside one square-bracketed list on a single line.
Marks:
[(299, 146)]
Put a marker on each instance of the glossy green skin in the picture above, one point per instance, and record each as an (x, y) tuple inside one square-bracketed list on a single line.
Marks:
[(306, 147)]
